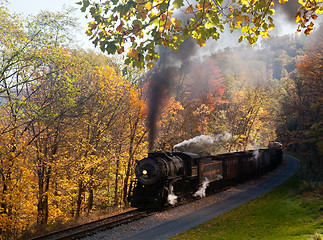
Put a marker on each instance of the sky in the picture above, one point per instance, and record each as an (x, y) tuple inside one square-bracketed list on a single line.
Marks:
[(33, 7), (285, 23)]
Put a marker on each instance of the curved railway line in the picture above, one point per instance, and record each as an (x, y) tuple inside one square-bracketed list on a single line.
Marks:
[(95, 226), (133, 215), (89, 228)]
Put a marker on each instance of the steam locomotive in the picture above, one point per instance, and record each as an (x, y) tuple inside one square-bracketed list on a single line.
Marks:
[(181, 174)]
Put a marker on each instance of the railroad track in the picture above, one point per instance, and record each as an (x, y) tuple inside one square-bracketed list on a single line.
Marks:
[(92, 227)]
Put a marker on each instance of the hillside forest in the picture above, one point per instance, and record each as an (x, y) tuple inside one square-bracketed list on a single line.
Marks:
[(72, 126)]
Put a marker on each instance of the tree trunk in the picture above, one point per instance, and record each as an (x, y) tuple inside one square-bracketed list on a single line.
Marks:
[(43, 185), (90, 190), (116, 199), (3, 205), (79, 199)]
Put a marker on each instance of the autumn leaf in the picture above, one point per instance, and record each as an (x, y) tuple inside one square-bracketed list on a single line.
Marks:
[(163, 17), (168, 23), (178, 3), (201, 42), (120, 50), (178, 29), (189, 9), (119, 28), (160, 29), (175, 22), (149, 5), (264, 34), (132, 53), (283, 1), (206, 19), (150, 65), (204, 6)]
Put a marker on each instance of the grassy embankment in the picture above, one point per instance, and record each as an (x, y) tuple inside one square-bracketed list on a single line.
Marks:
[(291, 211)]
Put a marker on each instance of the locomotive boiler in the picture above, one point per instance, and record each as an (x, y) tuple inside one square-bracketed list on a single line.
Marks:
[(181, 174)]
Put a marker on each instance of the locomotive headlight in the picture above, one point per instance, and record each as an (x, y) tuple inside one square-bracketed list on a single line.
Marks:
[(144, 172)]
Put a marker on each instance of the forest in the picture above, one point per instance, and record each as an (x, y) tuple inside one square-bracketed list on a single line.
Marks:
[(72, 126)]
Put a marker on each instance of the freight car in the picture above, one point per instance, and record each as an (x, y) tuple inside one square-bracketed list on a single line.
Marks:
[(180, 174)]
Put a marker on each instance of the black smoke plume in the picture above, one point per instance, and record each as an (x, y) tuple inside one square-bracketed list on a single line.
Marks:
[(160, 84), (162, 80)]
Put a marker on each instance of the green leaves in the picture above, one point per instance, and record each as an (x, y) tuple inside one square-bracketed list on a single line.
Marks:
[(178, 3), (84, 4), (134, 24)]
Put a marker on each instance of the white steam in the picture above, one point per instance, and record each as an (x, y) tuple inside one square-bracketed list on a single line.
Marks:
[(204, 139), (201, 191), (218, 177), (255, 150), (222, 137), (172, 198)]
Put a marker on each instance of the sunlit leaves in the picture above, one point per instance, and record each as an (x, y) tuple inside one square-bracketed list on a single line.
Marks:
[(142, 25), (307, 13), (189, 9)]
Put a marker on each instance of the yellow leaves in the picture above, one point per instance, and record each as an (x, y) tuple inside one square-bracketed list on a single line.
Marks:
[(149, 5), (283, 1), (175, 22), (205, 6), (150, 65), (245, 2), (189, 9), (201, 42), (264, 34), (239, 20), (161, 29), (202, 110), (309, 29), (153, 15), (168, 24)]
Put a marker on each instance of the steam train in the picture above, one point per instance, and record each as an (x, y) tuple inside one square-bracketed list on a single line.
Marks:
[(181, 174)]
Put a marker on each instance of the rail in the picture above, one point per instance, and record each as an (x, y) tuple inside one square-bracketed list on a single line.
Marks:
[(93, 227)]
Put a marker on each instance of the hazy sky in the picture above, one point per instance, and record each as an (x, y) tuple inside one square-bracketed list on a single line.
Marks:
[(33, 7), (284, 24)]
